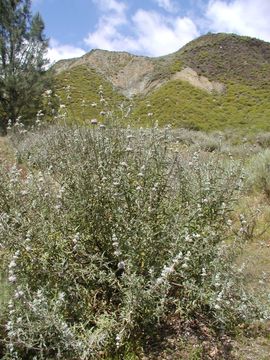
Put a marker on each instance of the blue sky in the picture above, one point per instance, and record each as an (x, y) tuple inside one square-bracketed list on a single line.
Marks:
[(149, 27)]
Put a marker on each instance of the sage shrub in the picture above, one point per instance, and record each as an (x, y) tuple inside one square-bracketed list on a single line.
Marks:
[(106, 233)]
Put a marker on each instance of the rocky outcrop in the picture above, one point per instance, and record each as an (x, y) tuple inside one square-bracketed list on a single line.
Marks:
[(198, 81), (136, 75)]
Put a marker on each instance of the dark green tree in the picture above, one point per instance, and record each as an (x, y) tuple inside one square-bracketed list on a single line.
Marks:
[(23, 76)]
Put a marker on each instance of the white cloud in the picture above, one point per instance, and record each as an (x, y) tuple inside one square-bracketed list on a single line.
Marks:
[(244, 17), (167, 5), (111, 5), (160, 35), (106, 35), (58, 51), (152, 33)]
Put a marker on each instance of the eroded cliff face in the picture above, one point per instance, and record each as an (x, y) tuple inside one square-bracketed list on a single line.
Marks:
[(201, 82), (137, 75)]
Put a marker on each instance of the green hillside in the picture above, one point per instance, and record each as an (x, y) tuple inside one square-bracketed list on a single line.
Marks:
[(79, 89), (181, 104), (242, 64)]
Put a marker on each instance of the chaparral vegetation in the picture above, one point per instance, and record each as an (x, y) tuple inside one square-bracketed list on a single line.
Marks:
[(114, 240), (125, 242)]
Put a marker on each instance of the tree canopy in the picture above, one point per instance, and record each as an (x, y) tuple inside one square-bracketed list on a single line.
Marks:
[(23, 47)]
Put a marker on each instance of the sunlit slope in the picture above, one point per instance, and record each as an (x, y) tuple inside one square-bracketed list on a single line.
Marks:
[(81, 90), (240, 64)]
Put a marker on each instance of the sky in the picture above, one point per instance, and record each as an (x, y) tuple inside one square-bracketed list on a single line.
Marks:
[(145, 27)]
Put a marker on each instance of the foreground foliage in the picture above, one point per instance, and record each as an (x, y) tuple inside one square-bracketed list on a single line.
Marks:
[(106, 233)]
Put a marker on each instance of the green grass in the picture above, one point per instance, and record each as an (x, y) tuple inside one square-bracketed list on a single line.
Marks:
[(177, 103), (84, 85), (182, 105)]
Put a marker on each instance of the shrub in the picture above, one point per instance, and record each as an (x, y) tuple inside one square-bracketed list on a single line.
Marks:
[(107, 234), (263, 139), (259, 172)]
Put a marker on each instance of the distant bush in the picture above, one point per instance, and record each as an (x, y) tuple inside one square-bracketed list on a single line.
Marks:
[(106, 234), (263, 139), (259, 172), (198, 140)]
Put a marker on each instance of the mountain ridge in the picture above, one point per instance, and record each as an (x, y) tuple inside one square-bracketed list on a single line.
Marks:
[(219, 65)]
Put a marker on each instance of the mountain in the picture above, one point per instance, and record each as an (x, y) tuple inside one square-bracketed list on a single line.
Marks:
[(214, 82)]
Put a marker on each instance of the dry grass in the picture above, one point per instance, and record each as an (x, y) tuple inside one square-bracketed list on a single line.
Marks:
[(6, 155), (4, 291), (6, 151), (253, 341)]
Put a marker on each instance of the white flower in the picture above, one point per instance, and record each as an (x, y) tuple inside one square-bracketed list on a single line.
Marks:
[(9, 325), (48, 92), (76, 238), (12, 278), (167, 270), (188, 238), (203, 274), (159, 281), (61, 296), (18, 294), (178, 257), (121, 265), (117, 339), (12, 264)]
